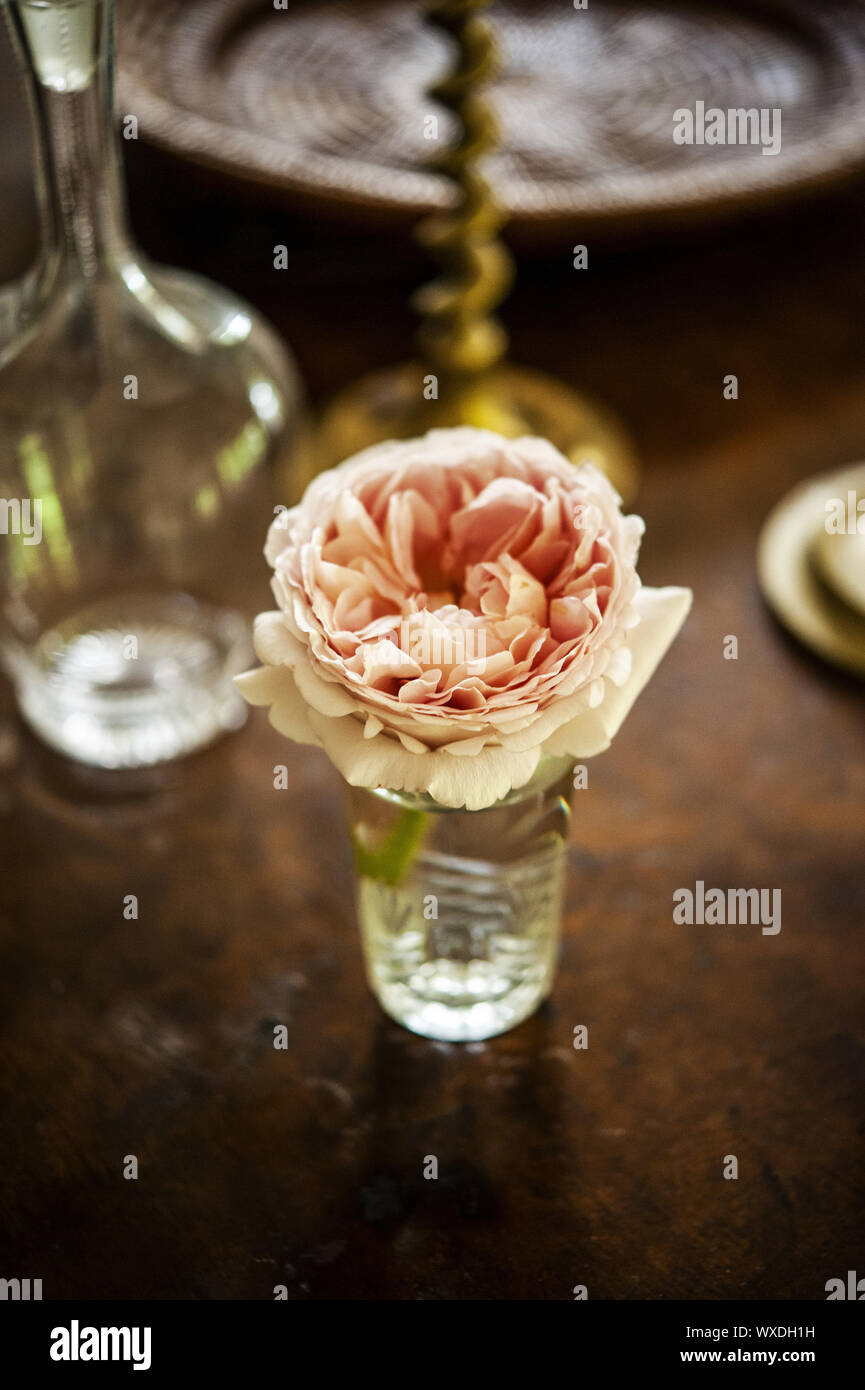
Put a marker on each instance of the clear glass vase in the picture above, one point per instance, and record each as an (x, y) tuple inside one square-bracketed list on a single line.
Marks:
[(142, 413), (460, 911)]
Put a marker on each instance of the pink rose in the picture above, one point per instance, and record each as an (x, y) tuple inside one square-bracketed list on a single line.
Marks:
[(454, 607)]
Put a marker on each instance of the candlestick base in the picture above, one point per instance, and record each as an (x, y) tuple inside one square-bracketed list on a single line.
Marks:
[(513, 401)]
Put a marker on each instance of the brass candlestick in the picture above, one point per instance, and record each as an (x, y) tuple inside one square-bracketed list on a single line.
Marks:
[(459, 340), (460, 377)]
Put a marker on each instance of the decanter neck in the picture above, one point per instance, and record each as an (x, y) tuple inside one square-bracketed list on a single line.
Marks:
[(67, 53)]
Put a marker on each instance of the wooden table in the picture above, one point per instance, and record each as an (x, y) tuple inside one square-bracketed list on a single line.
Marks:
[(557, 1167)]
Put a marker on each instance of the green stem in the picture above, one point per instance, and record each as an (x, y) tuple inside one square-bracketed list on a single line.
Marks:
[(390, 861)]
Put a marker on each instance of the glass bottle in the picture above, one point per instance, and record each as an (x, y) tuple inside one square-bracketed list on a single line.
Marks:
[(460, 911), (142, 410)]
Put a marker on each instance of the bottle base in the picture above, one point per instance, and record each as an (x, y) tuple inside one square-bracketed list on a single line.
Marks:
[(133, 681)]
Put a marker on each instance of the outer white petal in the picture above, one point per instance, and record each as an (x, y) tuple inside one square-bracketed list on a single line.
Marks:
[(662, 612), (276, 646), (263, 686), (473, 782), (289, 713), (479, 781)]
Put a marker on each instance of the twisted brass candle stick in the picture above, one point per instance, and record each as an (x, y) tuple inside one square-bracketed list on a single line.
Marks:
[(459, 339), (461, 378)]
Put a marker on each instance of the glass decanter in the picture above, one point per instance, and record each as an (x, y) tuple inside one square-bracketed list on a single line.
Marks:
[(142, 412)]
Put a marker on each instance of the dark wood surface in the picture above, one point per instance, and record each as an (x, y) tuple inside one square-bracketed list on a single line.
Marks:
[(304, 1167)]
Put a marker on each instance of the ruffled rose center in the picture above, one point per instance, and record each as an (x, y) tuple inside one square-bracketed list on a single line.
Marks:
[(458, 588)]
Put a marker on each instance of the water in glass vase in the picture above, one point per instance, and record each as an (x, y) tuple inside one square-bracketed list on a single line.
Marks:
[(460, 910)]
